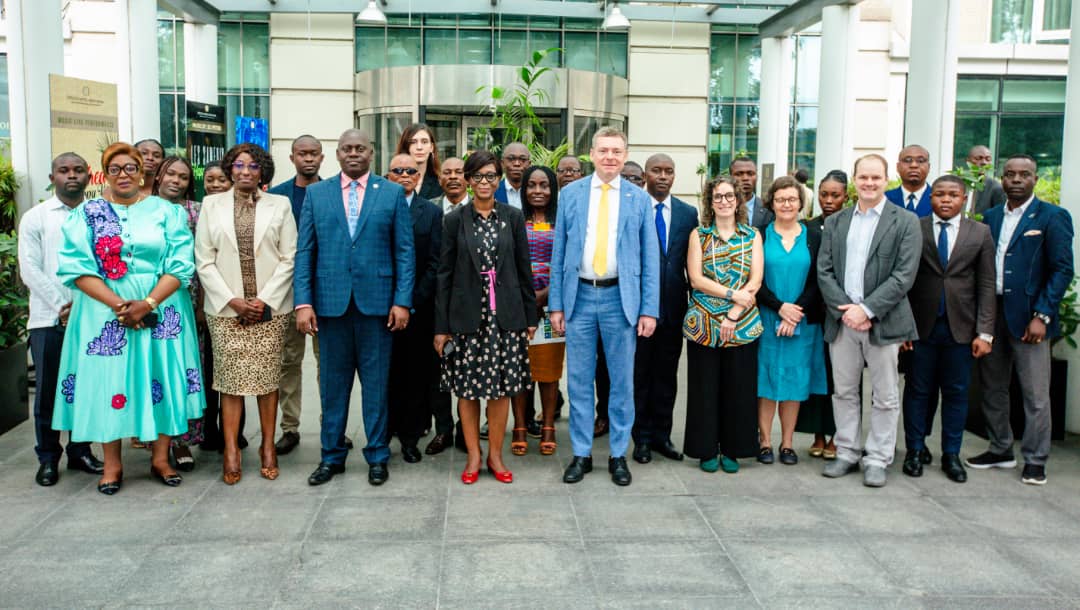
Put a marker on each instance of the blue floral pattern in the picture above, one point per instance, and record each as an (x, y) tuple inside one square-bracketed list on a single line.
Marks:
[(67, 388), (102, 218), (156, 391), (169, 325), (194, 381), (110, 342)]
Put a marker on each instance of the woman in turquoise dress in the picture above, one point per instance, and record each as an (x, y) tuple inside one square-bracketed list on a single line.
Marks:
[(130, 362), (791, 358)]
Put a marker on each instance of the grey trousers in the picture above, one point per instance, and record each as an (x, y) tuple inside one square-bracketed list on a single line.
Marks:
[(290, 388), (1032, 361), (848, 352)]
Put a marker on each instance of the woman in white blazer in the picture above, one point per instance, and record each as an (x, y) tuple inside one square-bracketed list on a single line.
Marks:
[(244, 247)]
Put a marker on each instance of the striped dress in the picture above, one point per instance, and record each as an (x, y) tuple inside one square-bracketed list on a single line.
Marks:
[(728, 263)]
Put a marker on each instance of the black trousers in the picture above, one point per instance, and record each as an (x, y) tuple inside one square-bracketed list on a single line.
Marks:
[(45, 346), (656, 369), (414, 368), (721, 401)]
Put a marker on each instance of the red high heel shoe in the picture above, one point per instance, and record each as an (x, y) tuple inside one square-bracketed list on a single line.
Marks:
[(503, 477), (469, 478)]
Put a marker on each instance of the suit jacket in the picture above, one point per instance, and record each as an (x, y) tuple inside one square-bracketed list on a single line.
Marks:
[(991, 195), (1038, 263), (674, 284), (217, 256), (967, 281), (460, 285), (762, 215), (637, 251), (427, 243), (810, 297), (890, 271), (286, 189), (922, 208), (374, 269)]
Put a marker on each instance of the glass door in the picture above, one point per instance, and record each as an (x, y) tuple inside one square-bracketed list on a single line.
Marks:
[(447, 134)]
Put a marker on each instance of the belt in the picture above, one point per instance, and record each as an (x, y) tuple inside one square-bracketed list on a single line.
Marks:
[(600, 283)]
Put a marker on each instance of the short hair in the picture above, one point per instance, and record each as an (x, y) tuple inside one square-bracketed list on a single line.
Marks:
[(571, 157), (708, 215), (68, 155), (741, 159), (167, 162), (553, 199), (151, 141), (609, 131), (305, 136), (120, 148), (258, 155), (785, 182), (801, 175), (657, 158), (478, 160), (837, 175), (1025, 157), (433, 165), (957, 180), (871, 157), (502, 153), (634, 164)]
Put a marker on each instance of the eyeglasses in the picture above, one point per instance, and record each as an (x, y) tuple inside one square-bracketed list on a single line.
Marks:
[(516, 159), (638, 180), (785, 201), (569, 171), (240, 165), (721, 197), (130, 169), (490, 178), (404, 171)]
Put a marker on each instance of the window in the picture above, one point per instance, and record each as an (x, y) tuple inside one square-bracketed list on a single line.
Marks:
[(1010, 21), (5, 108), (802, 139), (243, 69), (734, 89), (171, 99), (1027, 21)]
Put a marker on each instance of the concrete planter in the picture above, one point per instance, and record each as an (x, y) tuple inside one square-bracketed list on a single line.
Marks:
[(14, 407)]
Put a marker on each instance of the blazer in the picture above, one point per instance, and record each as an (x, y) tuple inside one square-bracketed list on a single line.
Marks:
[(501, 195), (890, 271), (922, 208), (762, 215), (637, 251), (991, 195), (373, 269), (286, 189), (810, 297), (674, 283), (1038, 264), (427, 243), (217, 257), (967, 281), (460, 285)]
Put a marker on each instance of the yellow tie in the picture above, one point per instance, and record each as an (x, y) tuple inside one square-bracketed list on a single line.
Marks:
[(599, 261)]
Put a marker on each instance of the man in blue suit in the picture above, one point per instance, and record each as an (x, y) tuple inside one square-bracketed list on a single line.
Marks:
[(656, 363), (605, 278), (1034, 264), (514, 160), (913, 194), (354, 280)]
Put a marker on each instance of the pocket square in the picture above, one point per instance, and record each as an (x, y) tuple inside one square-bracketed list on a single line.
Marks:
[(1032, 233)]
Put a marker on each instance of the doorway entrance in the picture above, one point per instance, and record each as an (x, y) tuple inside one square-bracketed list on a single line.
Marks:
[(457, 134)]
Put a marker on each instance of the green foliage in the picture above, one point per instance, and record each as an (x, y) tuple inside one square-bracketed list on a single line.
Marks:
[(14, 298), (9, 185), (1068, 316), (1048, 188), (972, 175)]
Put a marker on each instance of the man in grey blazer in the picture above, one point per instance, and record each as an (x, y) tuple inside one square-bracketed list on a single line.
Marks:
[(866, 266), (992, 194)]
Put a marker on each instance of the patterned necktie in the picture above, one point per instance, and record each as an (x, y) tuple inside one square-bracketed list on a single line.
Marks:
[(599, 261), (943, 256), (661, 228), (911, 202), (354, 207)]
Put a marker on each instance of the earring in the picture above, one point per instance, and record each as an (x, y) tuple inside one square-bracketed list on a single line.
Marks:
[(142, 181)]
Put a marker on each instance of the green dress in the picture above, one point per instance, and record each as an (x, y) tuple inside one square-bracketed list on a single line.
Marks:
[(117, 382)]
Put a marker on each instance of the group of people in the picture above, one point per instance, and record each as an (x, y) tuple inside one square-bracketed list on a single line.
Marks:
[(482, 277)]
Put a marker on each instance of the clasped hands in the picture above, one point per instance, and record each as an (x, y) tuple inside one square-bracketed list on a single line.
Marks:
[(790, 317), (855, 317), (249, 311), (129, 313)]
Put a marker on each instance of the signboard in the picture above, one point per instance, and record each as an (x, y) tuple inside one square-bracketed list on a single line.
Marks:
[(253, 130), (83, 121), (205, 139)]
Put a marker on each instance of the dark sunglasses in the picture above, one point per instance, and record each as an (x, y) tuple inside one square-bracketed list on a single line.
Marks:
[(404, 171)]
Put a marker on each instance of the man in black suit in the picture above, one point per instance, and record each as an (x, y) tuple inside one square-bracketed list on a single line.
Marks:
[(656, 362), (414, 365), (992, 194), (954, 306), (744, 171)]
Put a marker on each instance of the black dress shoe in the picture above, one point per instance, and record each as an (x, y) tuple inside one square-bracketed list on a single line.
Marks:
[(578, 468), (111, 487), (377, 474), (47, 475), (953, 467), (170, 480), (642, 454), (600, 427), (532, 428), (438, 444), (668, 450), (926, 457), (765, 455), (913, 465), (87, 463), (241, 442), (620, 472), (348, 443), (324, 473), (411, 454), (287, 442)]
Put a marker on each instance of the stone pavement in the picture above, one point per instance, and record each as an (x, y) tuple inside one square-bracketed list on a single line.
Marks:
[(769, 536)]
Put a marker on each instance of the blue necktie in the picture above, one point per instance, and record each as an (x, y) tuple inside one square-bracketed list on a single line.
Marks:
[(354, 207), (911, 202), (661, 228), (943, 256)]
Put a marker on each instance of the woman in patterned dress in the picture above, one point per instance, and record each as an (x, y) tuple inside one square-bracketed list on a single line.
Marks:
[(245, 243), (721, 328), (485, 312), (130, 362)]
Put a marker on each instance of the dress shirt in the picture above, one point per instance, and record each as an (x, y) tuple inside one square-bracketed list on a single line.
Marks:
[(1008, 227), (667, 216), (952, 226), (860, 235), (513, 195), (361, 187), (613, 198), (409, 197), (449, 206), (40, 238), (751, 205), (918, 195)]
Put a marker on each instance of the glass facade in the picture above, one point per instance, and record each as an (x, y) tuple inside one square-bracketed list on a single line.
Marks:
[(5, 108), (1010, 116), (170, 40), (1026, 21), (802, 140), (243, 68)]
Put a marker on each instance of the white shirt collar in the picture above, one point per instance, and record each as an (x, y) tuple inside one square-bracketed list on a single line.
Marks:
[(666, 201), (954, 221), (876, 210), (615, 183), (1020, 210), (54, 203), (918, 194)]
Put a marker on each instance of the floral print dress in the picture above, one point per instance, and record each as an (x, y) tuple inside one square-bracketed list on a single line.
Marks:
[(118, 382), (194, 434)]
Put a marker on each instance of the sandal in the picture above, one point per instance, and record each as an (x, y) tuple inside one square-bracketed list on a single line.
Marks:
[(547, 447), (519, 447), (269, 472), (184, 460), (231, 477), (137, 444)]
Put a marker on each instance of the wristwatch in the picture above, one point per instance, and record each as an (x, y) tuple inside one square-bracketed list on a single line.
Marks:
[(730, 292), (1041, 316)]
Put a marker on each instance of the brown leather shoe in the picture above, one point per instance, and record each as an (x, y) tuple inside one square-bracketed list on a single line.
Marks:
[(438, 444), (600, 428), (287, 443)]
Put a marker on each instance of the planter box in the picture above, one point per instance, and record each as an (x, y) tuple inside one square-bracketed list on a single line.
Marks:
[(14, 407), (1059, 374)]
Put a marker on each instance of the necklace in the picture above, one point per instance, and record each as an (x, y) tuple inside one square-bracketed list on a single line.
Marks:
[(130, 203)]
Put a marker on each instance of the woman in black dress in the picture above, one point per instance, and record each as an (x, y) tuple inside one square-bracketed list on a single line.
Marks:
[(485, 312)]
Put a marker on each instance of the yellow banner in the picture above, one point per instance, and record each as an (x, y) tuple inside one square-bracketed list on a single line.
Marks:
[(84, 121)]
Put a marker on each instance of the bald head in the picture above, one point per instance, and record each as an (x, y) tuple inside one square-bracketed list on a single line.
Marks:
[(980, 155), (659, 176), (354, 153), (515, 158)]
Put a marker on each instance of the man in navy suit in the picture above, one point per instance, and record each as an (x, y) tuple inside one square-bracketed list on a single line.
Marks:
[(656, 363), (744, 171), (515, 158), (604, 283), (354, 280), (1034, 264), (913, 194)]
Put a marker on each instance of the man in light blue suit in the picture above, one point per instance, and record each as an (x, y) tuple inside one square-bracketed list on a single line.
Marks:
[(354, 281), (605, 270)]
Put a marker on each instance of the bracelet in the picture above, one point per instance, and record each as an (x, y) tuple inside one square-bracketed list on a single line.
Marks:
[(731, 319), (151, 302)]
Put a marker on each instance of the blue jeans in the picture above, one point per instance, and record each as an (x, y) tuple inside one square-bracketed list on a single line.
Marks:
[(938, 362)]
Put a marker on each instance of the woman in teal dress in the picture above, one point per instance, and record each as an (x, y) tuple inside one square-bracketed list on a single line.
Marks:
[(130, 362), (791, 358)]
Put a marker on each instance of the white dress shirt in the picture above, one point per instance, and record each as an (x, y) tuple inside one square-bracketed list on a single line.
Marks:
[(667, 216), (1008, 227), (448, 206), (952, 228), (513, 195), (860, 235), (613, 198), (918, 195), (40, 238)]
